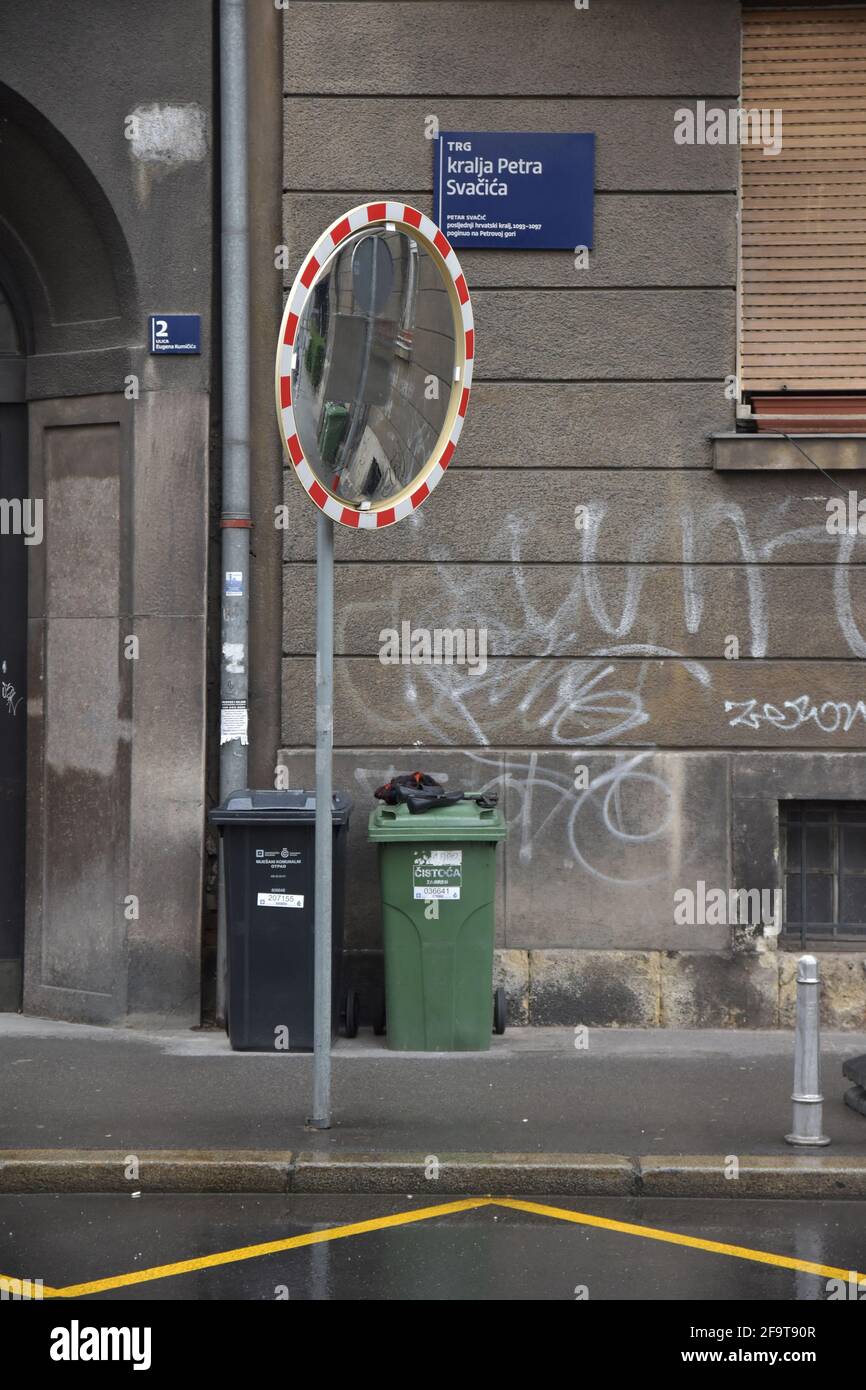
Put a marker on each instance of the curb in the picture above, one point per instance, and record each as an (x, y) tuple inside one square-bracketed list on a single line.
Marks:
[(582, 1175), (155, 1170), (32, 1171), (780, 1177)]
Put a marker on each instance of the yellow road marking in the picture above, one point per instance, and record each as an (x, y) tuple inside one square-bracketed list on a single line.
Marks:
[(252, 1252), (715, 1247), (380, 1223)]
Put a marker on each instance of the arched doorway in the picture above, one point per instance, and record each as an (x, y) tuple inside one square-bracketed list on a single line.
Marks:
[(118, 451), (15, 513), (68, 328)]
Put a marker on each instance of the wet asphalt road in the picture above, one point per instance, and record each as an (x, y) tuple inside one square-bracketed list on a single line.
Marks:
[(491, 1252)]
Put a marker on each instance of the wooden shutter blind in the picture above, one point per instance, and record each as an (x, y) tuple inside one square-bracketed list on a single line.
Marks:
[(803, 211)]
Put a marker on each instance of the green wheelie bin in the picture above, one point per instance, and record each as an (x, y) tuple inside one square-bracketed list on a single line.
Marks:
[(335, 421), (437, 872)]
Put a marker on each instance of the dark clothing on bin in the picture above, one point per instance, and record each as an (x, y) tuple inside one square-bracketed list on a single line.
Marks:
[(421, 792)]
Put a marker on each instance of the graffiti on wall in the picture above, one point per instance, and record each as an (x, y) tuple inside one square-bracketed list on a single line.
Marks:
[(9, 697), (590, 701), (620, 827)]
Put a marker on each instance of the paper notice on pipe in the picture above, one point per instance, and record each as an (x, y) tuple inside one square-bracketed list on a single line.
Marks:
[(234, 721)]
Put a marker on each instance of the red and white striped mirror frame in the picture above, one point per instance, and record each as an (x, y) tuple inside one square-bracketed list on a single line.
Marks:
[(416, 224)]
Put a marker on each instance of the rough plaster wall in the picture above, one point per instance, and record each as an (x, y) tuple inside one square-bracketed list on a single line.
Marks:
[(593, 388)]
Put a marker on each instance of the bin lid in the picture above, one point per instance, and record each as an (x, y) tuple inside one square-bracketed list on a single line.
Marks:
[(277, 808), (464, 821)]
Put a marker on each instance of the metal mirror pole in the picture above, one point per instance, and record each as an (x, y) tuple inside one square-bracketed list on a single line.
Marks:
[(321, 1117)]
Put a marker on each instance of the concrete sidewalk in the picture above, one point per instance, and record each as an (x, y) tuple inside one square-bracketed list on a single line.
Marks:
[(639, 1097)]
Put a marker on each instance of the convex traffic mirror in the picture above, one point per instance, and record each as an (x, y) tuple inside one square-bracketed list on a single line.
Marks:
[(374, 364)]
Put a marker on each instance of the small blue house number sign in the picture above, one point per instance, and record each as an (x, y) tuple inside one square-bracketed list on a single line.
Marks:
[(175, 333)]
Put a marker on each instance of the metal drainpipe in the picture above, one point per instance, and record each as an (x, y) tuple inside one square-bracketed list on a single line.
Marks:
[(235, 522)]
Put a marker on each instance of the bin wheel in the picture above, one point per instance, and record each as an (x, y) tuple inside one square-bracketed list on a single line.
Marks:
[(351, 1014), (499, 1010), (379, 1027)]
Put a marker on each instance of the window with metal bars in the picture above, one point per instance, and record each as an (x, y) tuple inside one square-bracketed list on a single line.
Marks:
[(824, 872)]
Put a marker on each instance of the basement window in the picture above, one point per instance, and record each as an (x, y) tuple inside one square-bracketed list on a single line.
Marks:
[(823, 872)]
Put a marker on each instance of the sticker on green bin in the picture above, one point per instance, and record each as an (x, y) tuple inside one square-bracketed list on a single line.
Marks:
[(437, 873)]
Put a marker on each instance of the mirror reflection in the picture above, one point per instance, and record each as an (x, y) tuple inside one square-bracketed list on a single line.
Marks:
[(374, 366)]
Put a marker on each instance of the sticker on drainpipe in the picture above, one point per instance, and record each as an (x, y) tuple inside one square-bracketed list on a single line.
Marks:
[(233, 655), (233, 721), (234, 583)]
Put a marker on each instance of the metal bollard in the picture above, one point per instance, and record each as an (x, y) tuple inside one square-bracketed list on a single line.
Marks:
[(807, 1098)]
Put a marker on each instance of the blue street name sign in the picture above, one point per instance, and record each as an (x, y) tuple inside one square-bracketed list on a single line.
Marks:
[(175, 332), (498, 188)]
